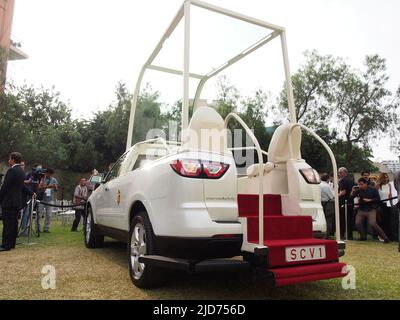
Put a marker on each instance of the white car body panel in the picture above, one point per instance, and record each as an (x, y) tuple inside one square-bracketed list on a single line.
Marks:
[(177, 206)]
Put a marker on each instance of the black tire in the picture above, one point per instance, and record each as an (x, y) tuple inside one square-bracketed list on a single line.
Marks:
[(142, 276), (91, 236)]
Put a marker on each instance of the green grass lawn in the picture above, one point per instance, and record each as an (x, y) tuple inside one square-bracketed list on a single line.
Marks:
[(103, 274)]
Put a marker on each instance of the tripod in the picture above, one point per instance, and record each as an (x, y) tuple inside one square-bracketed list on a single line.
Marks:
[(31, 231)]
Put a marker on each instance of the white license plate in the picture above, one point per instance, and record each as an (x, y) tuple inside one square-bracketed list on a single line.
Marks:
[(305, 253)]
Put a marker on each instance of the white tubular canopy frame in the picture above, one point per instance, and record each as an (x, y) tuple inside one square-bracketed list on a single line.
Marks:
[(334, 167), (259, 176), (184, 13)]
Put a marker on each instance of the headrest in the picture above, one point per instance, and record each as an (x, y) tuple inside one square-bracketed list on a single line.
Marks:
[(279, 147), (206, 131)]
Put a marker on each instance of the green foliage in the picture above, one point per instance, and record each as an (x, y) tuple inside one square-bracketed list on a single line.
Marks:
[(228, 97), (317, 157), (310, 86), (148, 114), (254, 115), (362, 103), (32, 120), (329, 93)]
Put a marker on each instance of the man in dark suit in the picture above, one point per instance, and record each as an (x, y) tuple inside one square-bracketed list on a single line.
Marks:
[(11, 200)]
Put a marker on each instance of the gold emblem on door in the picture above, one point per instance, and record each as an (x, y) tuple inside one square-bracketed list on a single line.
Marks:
[(118, 197)]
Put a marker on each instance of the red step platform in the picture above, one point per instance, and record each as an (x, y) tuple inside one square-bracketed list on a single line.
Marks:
[(322, 271), (283, 233)]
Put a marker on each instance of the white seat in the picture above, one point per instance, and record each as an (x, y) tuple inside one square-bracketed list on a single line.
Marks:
[(205, 131)]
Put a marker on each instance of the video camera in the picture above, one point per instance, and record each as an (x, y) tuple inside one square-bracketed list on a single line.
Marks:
[(37, 174)]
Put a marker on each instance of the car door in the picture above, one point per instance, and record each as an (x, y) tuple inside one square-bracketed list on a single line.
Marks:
[(109, 213)]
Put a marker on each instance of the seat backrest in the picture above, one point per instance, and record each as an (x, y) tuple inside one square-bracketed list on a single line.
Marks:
[(205, 131), (279, 151)]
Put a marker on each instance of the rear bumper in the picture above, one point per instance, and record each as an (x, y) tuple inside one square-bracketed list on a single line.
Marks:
[(199, 248)]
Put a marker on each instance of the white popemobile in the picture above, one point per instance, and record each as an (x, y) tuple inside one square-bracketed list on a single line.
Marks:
[(183, 205)]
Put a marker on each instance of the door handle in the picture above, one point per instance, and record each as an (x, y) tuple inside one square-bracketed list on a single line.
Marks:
[(107, 189)]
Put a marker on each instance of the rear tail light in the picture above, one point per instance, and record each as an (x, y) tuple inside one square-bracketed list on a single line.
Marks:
[(310, 175), (199, 169), (187, 168), (214, 169)]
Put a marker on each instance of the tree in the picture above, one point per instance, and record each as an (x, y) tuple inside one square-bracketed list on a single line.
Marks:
[(173, 120), (228, 97), (117, 122), (148, 114), (310, 85), (329, 92), (30, 120), (254, 114), (363, 104), (317, 157), (395, 137)]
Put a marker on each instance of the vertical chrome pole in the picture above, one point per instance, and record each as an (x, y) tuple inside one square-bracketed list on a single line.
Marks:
[(186, 67), (289, 86), (30, 218)]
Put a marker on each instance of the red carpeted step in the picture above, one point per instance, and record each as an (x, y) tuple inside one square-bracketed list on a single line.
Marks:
[(281, 227), (248, 205), (277, 251), (291, 275)]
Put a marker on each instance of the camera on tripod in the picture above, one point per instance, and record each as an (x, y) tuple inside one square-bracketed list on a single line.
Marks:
[(37, 174)]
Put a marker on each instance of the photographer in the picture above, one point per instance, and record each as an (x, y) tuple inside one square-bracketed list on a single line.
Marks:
[(368, 201), (48, 186), (32, 181)]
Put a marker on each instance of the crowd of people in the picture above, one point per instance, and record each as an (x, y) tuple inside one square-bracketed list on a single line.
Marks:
[(368, 206), (40, 185)]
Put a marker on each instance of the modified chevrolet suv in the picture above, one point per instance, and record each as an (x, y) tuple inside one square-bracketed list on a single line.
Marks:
[(164, 200)]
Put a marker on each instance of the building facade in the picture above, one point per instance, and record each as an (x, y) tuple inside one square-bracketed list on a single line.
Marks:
[(9, 49), (392, 165)]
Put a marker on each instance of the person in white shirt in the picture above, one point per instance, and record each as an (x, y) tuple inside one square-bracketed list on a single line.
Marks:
[(328, 204), (385, 192)]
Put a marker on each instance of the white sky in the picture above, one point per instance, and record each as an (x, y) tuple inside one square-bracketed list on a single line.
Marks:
[(84, 47)]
